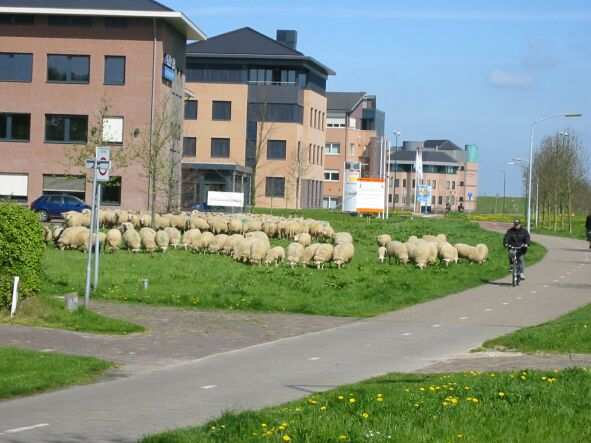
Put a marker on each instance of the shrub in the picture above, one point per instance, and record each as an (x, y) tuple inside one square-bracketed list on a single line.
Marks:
[(21, 250)]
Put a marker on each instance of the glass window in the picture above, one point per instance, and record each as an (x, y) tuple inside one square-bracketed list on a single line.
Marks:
[(190, 147), (397, 183), (111, 192), (461, 183), (404, 183), (275, 187), (69, 20), (221, 110), (220, 147), (16, 19), (114, 70), (453, 185), (116, 22), (332, 148), (16, 67), (191, 110), (66, 128), (15, 127), (276, 149), (68, 68), (331, 176), (440, 200)]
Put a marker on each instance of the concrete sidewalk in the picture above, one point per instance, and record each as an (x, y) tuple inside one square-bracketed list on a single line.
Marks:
[(406, 340)]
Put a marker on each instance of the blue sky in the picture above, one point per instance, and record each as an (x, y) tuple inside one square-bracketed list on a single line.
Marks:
[(470, 71)]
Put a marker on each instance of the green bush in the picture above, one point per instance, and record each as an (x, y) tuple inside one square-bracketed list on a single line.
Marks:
[(21, 250)]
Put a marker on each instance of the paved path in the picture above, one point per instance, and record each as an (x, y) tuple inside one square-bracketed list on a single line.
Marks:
[(407, 340), (173, 335)]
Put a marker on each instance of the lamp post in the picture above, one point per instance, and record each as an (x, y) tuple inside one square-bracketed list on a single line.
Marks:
[(396, 135), (504, 171), (523, 164), (531, 157)]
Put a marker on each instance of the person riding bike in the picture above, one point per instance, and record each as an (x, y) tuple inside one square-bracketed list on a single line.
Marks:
[(588, 229), (518, 237)]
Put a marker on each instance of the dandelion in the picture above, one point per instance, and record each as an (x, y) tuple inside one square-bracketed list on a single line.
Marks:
[(380, 399), (501, 394), (323, 408), (340, 397), (286, 438), (343, 437), (352, 400), (365, 415), (264, 425), (312, 402), (460, 435)]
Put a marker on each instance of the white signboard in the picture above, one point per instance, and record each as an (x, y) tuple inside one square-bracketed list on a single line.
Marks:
[(225, 199), (103, 157), (370, 195), (113, 129), (15, 185)]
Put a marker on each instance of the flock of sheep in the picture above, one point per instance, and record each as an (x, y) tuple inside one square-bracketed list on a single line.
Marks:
[(244, 237), (428, 250)]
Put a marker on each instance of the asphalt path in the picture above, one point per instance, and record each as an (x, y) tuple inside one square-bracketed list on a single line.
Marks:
[(411, 339)]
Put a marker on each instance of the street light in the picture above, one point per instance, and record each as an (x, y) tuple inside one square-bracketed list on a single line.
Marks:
[(531, 156), (396, 135)]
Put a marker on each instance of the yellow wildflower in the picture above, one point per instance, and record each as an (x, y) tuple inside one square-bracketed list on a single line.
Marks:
[(286, 438), (340, 397), (501, 394), (343, 437), (352, 400), (365, 415), (323, 408)]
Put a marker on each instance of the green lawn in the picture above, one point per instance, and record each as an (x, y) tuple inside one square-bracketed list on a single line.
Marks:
[(363, 288), (27, 372), (473, 407), (51, 313), (569, 334)]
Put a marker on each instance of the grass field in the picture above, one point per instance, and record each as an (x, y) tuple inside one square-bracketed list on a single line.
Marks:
[(570, 333), (27, 372), (51, 313), (363, 288), (473, 407), (494, 205)]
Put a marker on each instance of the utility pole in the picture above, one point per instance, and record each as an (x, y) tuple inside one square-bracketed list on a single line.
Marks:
[(504, 188)]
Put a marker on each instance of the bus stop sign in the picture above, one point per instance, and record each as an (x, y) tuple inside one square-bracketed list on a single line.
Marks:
[(103, 164)]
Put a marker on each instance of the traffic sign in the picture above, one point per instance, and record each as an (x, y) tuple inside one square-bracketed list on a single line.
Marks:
[(103, 166)]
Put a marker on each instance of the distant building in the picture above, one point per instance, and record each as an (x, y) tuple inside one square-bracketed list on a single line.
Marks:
[(254, 106), (450, 171), (354, 129)]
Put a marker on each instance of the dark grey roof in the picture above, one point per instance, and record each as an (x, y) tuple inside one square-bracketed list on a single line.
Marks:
[(428, 156), (243, 41), (250, 44), (118, 5), (343, 101), (444, 145)]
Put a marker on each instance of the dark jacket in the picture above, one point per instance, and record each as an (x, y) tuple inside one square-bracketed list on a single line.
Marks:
[(588, 223), (516, 237)]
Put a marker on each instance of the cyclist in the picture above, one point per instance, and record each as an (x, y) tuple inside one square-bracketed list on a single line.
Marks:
[(588, 229), (518, 237)]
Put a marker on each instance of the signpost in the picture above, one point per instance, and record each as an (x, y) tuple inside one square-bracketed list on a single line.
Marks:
[(101, 166), (225, 199)]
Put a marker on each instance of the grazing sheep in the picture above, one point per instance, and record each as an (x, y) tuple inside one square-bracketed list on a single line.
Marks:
[(382, 252), (218, 225), (303, 239), (441, 238), (433, 252), (179, 221), (480, 254), (397, 250), (252, 225), (148, 236), (217, 245), (145, 220), (122, 216), (464, 250), (131, 237), (198, 222), (73, 219), (270, 228), (421, 253), (308, 254), (201, 242), (161, 221), (412, 238), (187, 239), (174, 237), (235, 225), (383, 239), (323, 254), (162, 240), (340, 238), (242, 249), (72, 237), (295, 251), (448, 253), (430, 238), (258, 251), (275, 256), (230, 243), (343, 254), (114, 240), (135, 220)]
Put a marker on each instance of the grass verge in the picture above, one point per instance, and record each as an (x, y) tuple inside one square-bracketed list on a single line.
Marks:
[(570, 333), (471, 407), (27, 372), (363, 288), (51, 313)]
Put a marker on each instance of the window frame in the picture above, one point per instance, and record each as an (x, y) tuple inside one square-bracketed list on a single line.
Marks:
[(213, 139), (30, 54), (9, 128), (213, 114), (105, 82), (196, 102), (270, 190), (194, 152), (284, 146), (68, 82), (331, 173), (329, 145), (67, 130)]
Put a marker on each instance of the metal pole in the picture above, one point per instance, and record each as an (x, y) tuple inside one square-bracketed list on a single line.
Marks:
[(89, 263), (529, 181), (504, 188), (388, 179), (537, 200), (96, 233), (395, 168)]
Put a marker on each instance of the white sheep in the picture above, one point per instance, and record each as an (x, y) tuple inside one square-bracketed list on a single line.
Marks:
[(131, 237), (398, 251), (341, 238), (343, 254), (174, 236), (258, 251), (275, 256), (323, 254), (217, 244), (114, 240), (383, 239), (201, 242), (304, 239), (382, 252), (148, 236), (295, 251), (420, 253), (448, 253), (162, 240), (308, 254)]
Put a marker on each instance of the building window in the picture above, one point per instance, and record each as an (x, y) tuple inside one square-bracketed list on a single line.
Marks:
[(276, 149), (17, 19), (220, 147), (434, 185), (448, 185), (433, 200), (404, 183), (397, 183), (66, 128), (221, 110), (331, 202), (113, 130), (69, 20), (16, 67), (15, 127), (275, 187), (114, 70), (111, 192), (331, 176), (116, 22), (332, 148), (70, 184), (414, 183), (461, 184), (453, 185), (396, 198), (440, 200), (274, 76), (461, 199), (190, 147), (191, 110), (68, 68)]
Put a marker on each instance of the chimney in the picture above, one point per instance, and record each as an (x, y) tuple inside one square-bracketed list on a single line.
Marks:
[(288, 37)]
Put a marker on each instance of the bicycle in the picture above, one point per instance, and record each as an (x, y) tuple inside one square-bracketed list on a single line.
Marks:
[(514, 255)]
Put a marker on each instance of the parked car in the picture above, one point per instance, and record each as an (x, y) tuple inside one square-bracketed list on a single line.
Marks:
[(53, 205)]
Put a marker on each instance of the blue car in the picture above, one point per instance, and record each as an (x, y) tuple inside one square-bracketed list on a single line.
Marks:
[(53, 205)]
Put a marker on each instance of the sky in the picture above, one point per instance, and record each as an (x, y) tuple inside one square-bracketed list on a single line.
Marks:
[(472, 71)]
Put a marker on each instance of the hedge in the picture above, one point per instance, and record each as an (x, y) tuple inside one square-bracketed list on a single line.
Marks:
[(21, 250)]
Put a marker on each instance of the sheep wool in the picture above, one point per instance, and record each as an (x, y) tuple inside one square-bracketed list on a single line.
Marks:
[(383, 239), (398, 251), (295, 251), (323, 255), (343, 254)]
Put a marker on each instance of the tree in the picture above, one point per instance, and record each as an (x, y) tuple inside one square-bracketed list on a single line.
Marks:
[(157, 152), (264, 128), (301, 165)]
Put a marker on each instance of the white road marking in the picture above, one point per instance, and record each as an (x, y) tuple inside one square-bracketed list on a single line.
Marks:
[(562, 276), (519, 298), (555, 281), (488, 310), (436, 325), (406, 334), (505, 303), (534, 292), (464, 318), (25, 428), (546, 286), (313, 358), (209, 386), (47, 350)]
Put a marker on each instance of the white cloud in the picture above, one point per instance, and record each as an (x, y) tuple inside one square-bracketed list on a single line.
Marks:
[(507, 79)]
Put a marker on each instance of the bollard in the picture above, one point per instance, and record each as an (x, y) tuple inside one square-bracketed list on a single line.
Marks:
[(146, 283), (14, 297), (71, 302)]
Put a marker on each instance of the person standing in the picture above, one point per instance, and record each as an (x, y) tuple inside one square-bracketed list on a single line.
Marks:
[(588, 229), (518, 237)]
